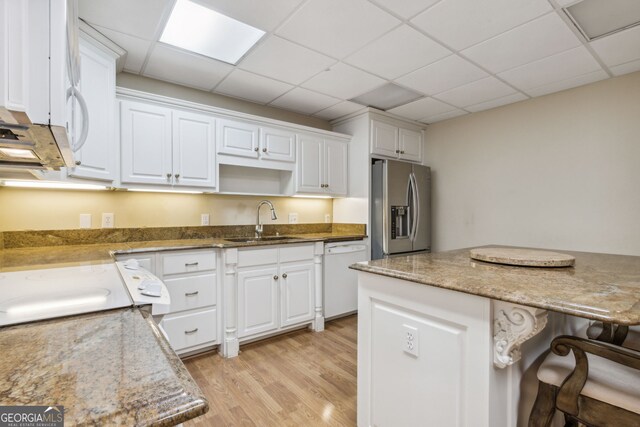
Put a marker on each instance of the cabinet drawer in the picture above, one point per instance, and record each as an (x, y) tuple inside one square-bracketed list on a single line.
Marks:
[(188, 262), (192, 291), (251, 257), (191, 329), (146, 260), (296, 253)]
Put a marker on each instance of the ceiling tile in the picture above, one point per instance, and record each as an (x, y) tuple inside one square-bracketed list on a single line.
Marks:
[(242, 84), (406, 8), (626, 68), (304, 101), (443, 75), (463, 23), (561, 66), (443, 116), (282, 60), (140, 18), (474, 93), (339, 110), (343, 81), (177, 66), (265, 15), (620, 47), (136, 48), (398, 52), (542, 37), (568, 83), (565, 3), (425, 107), (509, 99), (336, 27)]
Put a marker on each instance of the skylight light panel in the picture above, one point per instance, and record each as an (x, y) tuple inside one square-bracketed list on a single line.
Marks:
[(204, 31)]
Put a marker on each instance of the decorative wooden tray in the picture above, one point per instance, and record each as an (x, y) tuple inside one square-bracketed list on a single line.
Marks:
[(522, 257)]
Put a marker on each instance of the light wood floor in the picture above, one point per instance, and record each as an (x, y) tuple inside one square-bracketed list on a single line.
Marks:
[(299, 379)]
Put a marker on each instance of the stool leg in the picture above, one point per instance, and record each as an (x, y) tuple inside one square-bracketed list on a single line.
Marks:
[(570, 421), (544, 407)]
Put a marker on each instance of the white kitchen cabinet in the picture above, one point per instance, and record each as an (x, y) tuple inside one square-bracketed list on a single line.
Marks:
[(322, 166), (396, 142), (97, 157), (297, 293), (257, 301), (237, 138), (277, 144), (166, 147)]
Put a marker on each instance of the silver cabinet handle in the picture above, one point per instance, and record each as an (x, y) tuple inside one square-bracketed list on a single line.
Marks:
[(191, 294), (256, 149), (401, 151), (193, 331), (78, 162), (275, 277), (177, 176), (264, 150), (397, 151), (284, 275), (190, 264), (168, 177)]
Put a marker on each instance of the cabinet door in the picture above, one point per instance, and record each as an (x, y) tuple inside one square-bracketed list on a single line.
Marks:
[(238, 138), (145, 143), (310, 164), (96, 158), (257, 301), (194, 150), (277, 144), (384, 139), (296, 293), (410, 145), (336, 161)]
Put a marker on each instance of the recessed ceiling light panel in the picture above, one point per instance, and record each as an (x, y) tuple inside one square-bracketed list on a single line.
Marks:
[(204, 31), (386, 97), (599, 18)]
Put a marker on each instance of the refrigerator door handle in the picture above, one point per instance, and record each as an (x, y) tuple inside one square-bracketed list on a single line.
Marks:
[(415, 206)]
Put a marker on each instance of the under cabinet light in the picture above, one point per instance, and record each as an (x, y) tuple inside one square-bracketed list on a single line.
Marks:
[(204, 31), (310, 196), (157, 190), (52, 185)]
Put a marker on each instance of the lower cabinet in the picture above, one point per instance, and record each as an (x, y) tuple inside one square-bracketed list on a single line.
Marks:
[(257, 301), (296, 293)]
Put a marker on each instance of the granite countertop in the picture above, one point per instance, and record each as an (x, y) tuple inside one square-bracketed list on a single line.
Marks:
[(107, 368), (28, 258), (600, 286)]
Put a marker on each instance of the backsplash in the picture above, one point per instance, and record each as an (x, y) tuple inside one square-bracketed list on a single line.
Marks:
[(39, 238)]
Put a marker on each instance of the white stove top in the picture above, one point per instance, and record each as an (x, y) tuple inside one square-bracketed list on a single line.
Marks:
[(31, 295)]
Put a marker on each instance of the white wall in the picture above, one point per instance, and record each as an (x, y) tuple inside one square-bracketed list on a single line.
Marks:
[(560, 171)]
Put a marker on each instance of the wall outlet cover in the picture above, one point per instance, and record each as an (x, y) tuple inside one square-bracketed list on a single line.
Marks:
[(108, 220), (327, 218), (410, 340), (204, 219), (85, 220), (293, 218)]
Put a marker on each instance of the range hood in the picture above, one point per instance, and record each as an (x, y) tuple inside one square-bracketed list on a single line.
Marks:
[(32, 146)]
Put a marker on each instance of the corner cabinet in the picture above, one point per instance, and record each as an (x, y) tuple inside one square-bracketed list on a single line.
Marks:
[(322, 166), (167, 147), (388, 140)]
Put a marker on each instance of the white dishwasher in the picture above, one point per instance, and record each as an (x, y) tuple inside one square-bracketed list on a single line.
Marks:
[(340, 282)]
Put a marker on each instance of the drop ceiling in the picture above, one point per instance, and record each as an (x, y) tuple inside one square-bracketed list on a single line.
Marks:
[(461, 56)]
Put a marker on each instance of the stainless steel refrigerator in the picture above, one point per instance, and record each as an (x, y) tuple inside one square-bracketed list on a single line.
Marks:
[(400, 208)]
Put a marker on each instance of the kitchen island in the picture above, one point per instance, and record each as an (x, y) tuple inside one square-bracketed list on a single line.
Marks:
[(449, 341)]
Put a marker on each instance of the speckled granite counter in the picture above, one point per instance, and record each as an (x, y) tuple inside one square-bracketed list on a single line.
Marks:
[(600, 286), (108, 368)]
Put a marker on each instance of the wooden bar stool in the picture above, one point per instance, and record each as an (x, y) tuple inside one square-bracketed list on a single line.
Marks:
[(599, 386)]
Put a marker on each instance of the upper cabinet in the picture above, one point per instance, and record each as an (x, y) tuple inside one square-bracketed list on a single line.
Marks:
[(322, 166), (162, 146), (97, 157), (237, 138), (395, 142)]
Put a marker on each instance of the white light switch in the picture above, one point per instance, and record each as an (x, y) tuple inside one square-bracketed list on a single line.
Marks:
[(293, 218), (107, 220), (327, 218), (85, 220), (204, 219), (410, 340)]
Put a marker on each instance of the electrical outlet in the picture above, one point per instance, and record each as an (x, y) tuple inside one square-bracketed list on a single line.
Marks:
[(327, 218), (107, 220), (204, 219), (410, 339), (85, 220), (293, 218)]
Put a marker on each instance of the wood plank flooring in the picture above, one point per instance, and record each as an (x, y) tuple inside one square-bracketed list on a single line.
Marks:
[(299, 379)]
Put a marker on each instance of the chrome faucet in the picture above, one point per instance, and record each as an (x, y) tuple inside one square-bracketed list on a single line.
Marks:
[(273, 217)]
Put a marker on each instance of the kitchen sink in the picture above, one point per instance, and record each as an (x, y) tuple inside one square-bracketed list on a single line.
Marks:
[(260, 239)]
